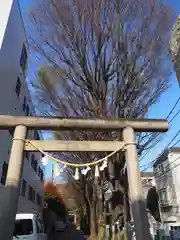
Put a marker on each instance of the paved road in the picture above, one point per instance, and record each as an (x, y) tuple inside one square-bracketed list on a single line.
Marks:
[(69, 234)]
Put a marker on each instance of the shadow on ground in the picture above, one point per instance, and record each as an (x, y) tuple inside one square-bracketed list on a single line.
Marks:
[(69, 234)]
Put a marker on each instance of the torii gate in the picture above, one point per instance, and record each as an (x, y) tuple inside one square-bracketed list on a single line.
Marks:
[(9, 200)]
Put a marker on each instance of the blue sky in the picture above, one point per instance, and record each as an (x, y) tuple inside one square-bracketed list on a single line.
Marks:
[(160, 110), (174, 3)]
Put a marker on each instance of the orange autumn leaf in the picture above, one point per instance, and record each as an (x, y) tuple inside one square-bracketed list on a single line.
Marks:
[(51, 189)]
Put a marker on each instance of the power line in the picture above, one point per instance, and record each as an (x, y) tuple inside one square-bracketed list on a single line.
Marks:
[(173, 108), (169, 122), (152, 162), (171, 111), (148, 165), (174, 116), (173, 139), (158, 176), (168, 143)]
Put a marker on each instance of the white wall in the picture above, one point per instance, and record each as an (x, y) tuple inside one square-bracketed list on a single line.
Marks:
[(5, 7), (169, 180), (12, 29), (164, 180), (174, 160)]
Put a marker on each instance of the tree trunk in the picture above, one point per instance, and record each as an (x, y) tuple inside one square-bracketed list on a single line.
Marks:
[(100, 227), (88, 219), (93, 222), (93, 234), (127, 217)]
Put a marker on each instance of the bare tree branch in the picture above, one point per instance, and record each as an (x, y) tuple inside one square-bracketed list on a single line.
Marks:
[(104, 59)]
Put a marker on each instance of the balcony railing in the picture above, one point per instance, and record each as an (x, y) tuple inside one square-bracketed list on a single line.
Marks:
[(164, 204)]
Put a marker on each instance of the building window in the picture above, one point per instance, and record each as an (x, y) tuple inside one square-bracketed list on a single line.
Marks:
[(18, 86), (24, 105), (23, 59), (42, 176), (36, 135), (161, 168), (163, 196), (23, 189), (30, 194), (32, 160), (27, 155), (39, 171), (38, 199), (33, 195), (35, 166), (4, 173), (167, 167), (34, 163), (27, 110)]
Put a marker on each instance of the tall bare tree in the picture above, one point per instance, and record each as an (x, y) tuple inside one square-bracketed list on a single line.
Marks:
[(103, 59), (175, 47)]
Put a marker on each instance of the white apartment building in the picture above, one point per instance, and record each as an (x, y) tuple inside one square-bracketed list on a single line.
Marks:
[(167, 177), (15, 100)]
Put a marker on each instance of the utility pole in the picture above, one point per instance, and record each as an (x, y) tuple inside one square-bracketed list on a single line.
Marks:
[(9, 198), (138, 206)]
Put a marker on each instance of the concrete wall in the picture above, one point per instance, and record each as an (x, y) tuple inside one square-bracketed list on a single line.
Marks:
[(164, 180), (174, 160), (12, 38)]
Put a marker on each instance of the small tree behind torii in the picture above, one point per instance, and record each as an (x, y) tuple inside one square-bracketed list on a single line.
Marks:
[(54, 200)]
